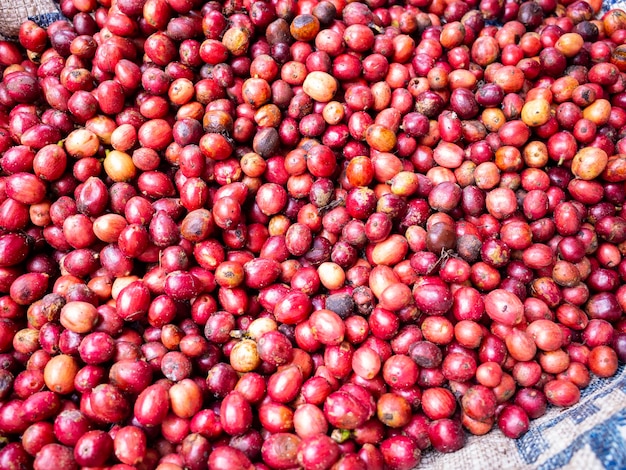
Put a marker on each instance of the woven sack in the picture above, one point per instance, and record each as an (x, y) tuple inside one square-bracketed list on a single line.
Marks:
[(588, 436), (14, 12)]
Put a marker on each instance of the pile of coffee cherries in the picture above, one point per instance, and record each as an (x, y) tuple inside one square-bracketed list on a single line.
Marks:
[(279, 234)]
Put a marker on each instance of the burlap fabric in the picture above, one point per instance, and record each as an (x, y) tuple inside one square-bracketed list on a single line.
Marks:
[(612, 4), (588, 436), (14, 12)]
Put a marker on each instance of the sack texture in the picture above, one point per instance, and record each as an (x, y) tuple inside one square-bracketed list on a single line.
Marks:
[(590, 435), (14, 12)]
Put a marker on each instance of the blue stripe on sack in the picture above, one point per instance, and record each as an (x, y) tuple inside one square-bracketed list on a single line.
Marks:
[(605, 386), (533, 444), (611, 5), (47, 19), (606, 441), (584, 411)]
